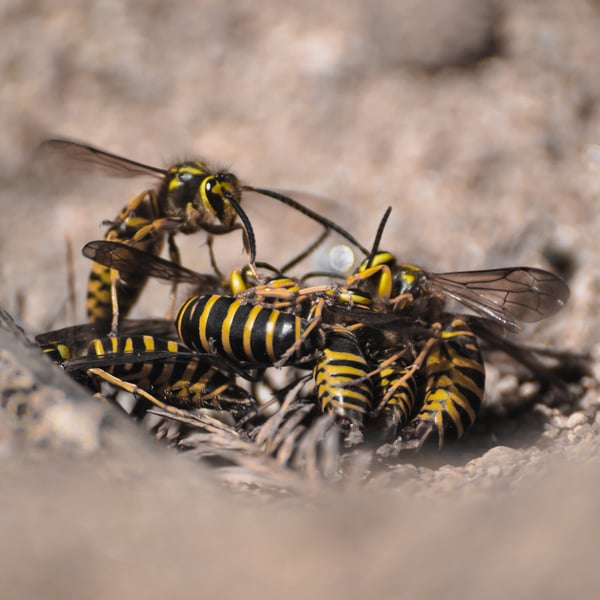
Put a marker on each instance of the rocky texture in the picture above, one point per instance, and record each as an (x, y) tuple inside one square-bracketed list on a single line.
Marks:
[(477, 121)]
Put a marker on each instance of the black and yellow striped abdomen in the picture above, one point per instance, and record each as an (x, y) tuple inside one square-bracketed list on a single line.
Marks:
[(129, 286), (341, 364), (396, 388), (169, 371), (185, 379), (245, 333), (131, 359), (454, 385)]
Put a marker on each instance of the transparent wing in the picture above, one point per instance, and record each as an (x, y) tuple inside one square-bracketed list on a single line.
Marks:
[(511, 295), (97, 159), (128, 259)]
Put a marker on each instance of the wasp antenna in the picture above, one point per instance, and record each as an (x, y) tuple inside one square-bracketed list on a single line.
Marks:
[(379, 235), (251, 239), (309, 213)]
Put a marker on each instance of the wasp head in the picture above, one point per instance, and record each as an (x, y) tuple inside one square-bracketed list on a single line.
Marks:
[(192, 188)]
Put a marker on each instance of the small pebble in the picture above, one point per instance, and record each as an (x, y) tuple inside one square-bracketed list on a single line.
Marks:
[(577, 418)]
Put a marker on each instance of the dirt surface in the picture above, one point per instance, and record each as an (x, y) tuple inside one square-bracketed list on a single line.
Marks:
[(478, 121)]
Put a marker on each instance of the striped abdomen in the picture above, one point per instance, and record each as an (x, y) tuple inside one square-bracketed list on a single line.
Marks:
[(245, 333), (134, 359), (454, 386), (341, 363), (129, 287), (170, 372), (396, 388)]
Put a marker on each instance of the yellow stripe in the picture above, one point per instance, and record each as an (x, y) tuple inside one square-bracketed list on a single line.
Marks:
[(464, 381), (329, 402), (203, 322), (270, 335), (128, 348), (464, 403), (172, 346), (226, 328), (438, 419), (453, 413), (215, 188), (183, 316), (346, 371), (98, 348), (149, 343), (360, 395), (247, 334), (64, 351)]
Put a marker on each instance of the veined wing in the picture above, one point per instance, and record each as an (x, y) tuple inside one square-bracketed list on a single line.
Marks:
[(101, 160), (511, 295)]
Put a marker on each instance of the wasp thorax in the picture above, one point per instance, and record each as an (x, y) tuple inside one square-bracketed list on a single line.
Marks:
[(180, 189), (408, 279)]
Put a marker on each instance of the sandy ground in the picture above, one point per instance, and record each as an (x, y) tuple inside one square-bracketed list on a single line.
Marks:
[(478, 121)]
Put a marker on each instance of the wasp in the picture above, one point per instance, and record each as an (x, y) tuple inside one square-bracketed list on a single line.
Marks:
[(259, 335), (395, 390), (191, 196), (129, 260), (242, 282), (162, 372), (342, 385), (413, 396), (248, 334), (438, 391), (454, 374), (71, 342), (443, 389), (509, 296)]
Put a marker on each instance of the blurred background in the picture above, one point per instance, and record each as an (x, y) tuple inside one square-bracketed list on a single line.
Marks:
[(478, 121)]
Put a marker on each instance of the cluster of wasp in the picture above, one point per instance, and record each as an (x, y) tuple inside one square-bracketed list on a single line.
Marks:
[(378, 352)]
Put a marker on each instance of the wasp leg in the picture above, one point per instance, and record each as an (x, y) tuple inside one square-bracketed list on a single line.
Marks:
[(175, 257), (191, 417), (314, 323), (114, 299), (384, 286), (408, 372)]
